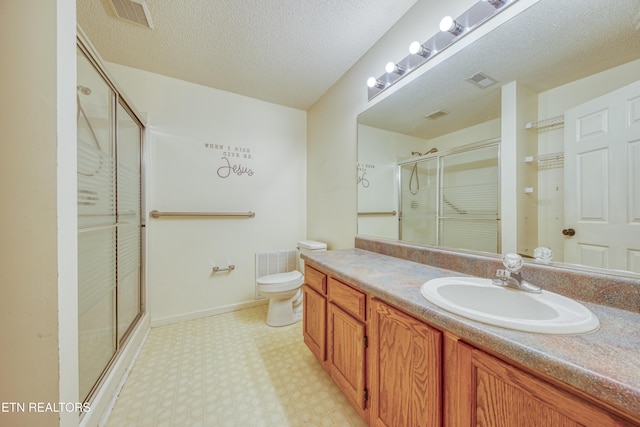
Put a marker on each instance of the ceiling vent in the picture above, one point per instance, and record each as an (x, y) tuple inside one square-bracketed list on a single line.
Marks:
[(436, 114), (134, 11), (481, 80)]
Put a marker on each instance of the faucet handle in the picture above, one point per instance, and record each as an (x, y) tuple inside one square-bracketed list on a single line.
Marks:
[(503, 274), (512, 262)]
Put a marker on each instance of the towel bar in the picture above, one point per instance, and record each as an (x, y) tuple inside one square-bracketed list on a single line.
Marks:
[(218, 269), (157, 214)]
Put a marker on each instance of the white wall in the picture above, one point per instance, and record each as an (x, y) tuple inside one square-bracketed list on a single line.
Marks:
[(191, 129), (489, 130), (378, 154), (38, 307)]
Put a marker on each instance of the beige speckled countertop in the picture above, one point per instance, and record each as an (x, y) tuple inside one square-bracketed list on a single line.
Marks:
[(604, 364)]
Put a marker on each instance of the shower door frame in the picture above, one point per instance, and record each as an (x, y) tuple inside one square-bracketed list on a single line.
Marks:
[(437, 156), (87, 49)]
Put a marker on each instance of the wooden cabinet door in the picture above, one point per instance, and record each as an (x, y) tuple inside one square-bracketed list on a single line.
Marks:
[(346, 358), (406, 370), (314, 322), (493, 393)]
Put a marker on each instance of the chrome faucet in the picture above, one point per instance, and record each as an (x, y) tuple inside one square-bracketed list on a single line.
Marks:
[(510, 277)]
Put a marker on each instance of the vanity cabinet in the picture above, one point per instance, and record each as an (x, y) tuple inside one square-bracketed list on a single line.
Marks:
[(314, 313), (482, 390), (398, 370), (347, 342), (405, 370)]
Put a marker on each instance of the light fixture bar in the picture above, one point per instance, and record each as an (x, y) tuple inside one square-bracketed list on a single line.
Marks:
[(420, 53)]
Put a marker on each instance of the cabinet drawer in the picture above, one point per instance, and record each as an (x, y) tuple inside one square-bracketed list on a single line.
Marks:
[(348, 298), (316, 279)]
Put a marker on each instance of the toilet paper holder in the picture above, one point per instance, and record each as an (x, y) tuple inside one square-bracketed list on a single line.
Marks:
[(217, 269)]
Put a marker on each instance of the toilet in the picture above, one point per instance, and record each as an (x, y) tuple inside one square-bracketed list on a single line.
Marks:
[(284, 290)]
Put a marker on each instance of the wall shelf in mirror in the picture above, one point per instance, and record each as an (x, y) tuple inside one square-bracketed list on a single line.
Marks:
[(547, 161), (556, 122)]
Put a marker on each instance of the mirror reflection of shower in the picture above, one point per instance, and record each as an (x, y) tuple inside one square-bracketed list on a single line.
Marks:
[(451, 198), (418, 197), (414, 188)]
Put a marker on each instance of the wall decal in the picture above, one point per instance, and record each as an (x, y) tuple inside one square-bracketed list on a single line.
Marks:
[(362, 174), (229, 163)]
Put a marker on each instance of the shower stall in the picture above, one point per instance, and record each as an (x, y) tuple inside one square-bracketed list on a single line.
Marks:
[(451, 198), (110, 224)]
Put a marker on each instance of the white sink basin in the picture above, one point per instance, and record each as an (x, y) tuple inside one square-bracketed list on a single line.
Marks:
[(479, 299)]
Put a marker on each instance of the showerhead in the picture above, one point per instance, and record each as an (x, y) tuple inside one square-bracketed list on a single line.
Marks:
[(433, 150), (84, 90)]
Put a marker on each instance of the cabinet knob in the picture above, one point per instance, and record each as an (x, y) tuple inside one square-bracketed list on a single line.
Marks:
[(569, 232)]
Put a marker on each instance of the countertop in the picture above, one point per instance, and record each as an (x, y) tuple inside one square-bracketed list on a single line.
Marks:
[(604, 364)]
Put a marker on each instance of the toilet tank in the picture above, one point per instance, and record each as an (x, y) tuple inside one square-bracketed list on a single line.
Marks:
[(307, 247)]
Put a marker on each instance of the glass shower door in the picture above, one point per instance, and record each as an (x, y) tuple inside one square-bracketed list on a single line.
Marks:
[(452, 199), (469, 200), (97, 225), (418, 197), (129, 225), (109, 223)]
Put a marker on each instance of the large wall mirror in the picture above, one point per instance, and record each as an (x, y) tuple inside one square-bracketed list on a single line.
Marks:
[(528, 137)]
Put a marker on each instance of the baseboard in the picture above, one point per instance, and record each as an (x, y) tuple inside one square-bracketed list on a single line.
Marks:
[(163, 321)]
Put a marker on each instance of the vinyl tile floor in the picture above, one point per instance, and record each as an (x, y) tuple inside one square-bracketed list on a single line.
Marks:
[(229, 370)]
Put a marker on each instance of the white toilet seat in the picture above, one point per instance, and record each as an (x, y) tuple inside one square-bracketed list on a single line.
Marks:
[(281, 282)]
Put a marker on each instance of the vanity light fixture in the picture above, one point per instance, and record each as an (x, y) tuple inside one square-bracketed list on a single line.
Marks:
[(392, 67), (417, 48), (420, 53), (450, 25), (372, 82)]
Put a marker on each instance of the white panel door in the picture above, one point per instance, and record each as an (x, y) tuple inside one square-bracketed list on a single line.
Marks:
[(602, 180)]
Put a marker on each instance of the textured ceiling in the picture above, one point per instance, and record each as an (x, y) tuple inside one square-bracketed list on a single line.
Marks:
[(288, 52)]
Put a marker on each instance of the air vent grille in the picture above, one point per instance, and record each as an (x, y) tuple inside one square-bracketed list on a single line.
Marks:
[(482, 80), (134, 11), (436, 114)]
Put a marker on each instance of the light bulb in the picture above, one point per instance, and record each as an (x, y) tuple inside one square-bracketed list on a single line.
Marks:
[(448, 24), (416, 48), (392, 67), (373, 82)]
